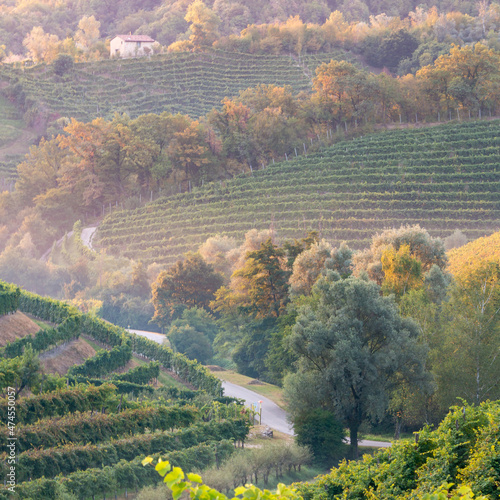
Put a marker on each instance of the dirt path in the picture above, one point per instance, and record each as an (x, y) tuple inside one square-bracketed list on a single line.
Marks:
[(18, 146), (87, 235)]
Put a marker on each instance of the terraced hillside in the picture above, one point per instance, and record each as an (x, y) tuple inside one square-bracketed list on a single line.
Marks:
[(187, 83), (11, 132), (89, 435), (443, 177)]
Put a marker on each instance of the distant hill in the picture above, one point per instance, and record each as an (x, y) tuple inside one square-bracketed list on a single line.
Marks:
[(443, 178), (466, 259)]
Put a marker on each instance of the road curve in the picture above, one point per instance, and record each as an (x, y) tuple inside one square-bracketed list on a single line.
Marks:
[(87, 235), (157, 337), (272, 414)]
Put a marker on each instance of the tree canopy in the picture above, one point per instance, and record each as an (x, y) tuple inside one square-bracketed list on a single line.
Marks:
[(357, 347), (188, 283)]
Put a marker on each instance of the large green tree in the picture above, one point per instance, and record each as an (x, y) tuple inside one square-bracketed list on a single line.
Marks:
[(355, 346)]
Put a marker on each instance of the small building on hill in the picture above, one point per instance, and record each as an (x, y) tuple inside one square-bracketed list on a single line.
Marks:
[(131, 46)]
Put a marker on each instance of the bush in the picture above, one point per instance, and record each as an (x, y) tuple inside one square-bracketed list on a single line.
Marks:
[(322, 433), (63, 64)]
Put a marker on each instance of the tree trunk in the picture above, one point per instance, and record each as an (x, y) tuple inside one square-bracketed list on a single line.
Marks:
[(353, 435)]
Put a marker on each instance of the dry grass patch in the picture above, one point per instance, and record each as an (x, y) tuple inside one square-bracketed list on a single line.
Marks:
[(62, 358), (14, 326), (256, 439)]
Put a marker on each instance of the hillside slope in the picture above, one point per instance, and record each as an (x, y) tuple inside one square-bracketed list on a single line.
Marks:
[(443, 178), (13, 326), (187, 83), (469, 258)]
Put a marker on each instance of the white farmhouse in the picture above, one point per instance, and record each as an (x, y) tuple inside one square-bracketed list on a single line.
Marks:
[(131, 46)]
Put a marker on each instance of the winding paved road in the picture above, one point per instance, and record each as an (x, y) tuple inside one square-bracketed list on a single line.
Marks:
[(157, 337), (272, 414)]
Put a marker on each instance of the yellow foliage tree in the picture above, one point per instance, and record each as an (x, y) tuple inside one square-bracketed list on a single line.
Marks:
[(88, 32), (41, 46), (466, 260), (204, 25), (402, 271)]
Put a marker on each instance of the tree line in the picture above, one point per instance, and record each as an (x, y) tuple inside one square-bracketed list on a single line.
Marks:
[(89, 168), (397, 35), (386, 336)]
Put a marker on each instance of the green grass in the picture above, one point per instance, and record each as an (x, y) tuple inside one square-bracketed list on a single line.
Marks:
[(443, 178), (307, 473), (386, 437), (272, 392), (11, 124), (42, 324)]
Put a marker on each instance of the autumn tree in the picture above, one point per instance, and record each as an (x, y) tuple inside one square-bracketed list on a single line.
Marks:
[(232, 122), (469, 336), (188, 283), (88, 32), (307, 267), (468, 76), (41, 46), (426, 249), (342, 91), (40, 171), (402, 271), (215, 250), (264, 281), (203, 29), (190, 153), (204, 25)]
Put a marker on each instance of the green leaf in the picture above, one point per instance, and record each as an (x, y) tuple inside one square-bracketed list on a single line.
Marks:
[(174, 476), (147, 460), (178, 489), (195, 478), (162, 467), (240, 490)]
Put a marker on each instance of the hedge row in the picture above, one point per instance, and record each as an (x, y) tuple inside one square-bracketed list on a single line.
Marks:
[(121, 386), (102, 331), (124, 475), (9, 298), (61, 402), (46, 308), (95, 427), (186, 369), (50, 462), (140, 374), (68, 330), (104, 362)]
